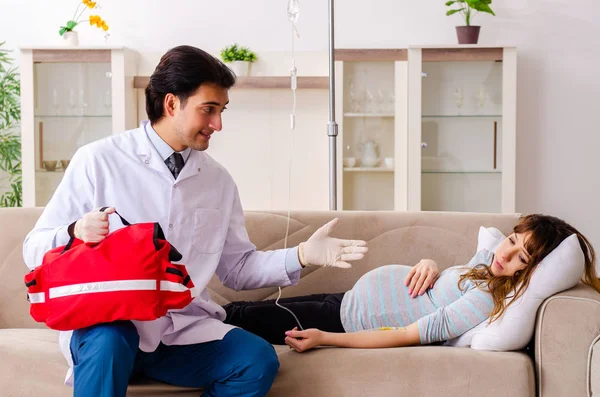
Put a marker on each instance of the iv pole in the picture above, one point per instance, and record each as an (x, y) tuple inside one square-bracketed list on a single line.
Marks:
[(332, 127)]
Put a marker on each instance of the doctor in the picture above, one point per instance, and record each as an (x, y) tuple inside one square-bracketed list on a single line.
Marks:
[(160, 172)]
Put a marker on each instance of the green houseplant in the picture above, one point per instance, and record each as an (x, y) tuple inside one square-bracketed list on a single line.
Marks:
[(10, 139), (469, 34), (239, 57)]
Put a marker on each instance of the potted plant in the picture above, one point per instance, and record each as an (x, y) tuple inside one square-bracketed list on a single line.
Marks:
[(469, 34), (67, 32), (10, 139), (239, 57)]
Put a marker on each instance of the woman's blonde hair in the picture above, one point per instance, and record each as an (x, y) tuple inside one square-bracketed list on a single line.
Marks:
[(546, 233)]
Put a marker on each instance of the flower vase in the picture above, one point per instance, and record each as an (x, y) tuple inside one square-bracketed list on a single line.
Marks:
[(70, 38), (240, 68)]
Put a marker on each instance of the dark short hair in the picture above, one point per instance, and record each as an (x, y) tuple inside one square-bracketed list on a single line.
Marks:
[(181, 71)]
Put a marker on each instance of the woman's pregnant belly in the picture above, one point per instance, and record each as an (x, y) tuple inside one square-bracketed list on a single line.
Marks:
[(380, 299)]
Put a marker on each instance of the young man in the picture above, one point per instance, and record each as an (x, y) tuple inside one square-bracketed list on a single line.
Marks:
[(159, 172)]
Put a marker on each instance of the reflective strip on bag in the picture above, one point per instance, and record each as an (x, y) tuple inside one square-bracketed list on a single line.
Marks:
[(37, 297), (103, 286), (171, 286)]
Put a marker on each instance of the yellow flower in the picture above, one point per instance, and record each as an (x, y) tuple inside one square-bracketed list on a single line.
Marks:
[(95, 20)]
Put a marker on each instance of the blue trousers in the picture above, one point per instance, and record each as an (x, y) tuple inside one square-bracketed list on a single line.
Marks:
[(106, 357)]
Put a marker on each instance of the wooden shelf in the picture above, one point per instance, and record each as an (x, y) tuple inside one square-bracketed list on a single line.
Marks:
[(371, 55), (74, 55), (467, 54), (430, 54), (269, 82)]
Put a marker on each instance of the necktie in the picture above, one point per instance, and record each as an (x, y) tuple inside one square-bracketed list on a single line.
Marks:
[(175, 163)]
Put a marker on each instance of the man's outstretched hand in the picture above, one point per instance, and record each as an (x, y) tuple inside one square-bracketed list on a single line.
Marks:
[(322, 250)]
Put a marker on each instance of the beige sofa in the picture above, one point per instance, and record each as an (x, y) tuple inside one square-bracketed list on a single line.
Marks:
[(567, 331)]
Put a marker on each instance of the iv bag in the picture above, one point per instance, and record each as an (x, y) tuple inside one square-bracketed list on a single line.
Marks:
[(293, 10)]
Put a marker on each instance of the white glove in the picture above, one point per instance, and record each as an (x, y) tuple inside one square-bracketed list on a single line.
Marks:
[(322, 250), (93, 227)]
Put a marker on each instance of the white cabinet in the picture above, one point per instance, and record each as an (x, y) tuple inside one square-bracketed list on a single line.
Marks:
[(372, 140), (462, 129), (70, 96), (444, 118)]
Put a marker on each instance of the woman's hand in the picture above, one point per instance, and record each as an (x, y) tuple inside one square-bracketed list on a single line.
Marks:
[(422, 276), (375, 339), (303, 340)]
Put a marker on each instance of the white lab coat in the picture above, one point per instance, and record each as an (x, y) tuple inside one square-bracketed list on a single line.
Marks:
[(201, 216)]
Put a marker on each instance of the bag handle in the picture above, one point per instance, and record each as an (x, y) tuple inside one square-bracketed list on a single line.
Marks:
[(72, 239), (125, 223), (177, 272)]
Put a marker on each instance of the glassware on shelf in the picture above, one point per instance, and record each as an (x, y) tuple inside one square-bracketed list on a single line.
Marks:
[(349, 159), (55, 101), (354, 100), (379, 103), (72, 100), (389, 162), (108, 101), (365, 95), (50, 165), (83, 101), (369, 156), (369, 102), (349, 162), (459, 98), (481, 97), (391, 103)]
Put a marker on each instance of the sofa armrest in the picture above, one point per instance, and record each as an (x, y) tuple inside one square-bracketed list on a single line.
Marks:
[(568, 326)]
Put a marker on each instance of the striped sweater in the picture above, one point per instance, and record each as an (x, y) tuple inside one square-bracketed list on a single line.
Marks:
[(380, 299)]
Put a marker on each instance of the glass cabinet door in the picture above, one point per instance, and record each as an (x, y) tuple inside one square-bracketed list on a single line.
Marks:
[(461, 133), (368, 136), (72, 107), (465, 146), (371, 153)]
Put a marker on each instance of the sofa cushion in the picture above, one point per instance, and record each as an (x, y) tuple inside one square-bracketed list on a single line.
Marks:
[(14, 307), (31, 363), (415, 371), (33, 366)]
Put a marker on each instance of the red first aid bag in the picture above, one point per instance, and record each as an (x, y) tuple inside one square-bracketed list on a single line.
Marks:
[(127, 276)]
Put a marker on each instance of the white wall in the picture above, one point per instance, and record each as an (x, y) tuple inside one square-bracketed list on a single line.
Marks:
[(559, 58)]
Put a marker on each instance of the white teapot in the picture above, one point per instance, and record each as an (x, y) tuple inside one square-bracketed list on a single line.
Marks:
[(369, 156)]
